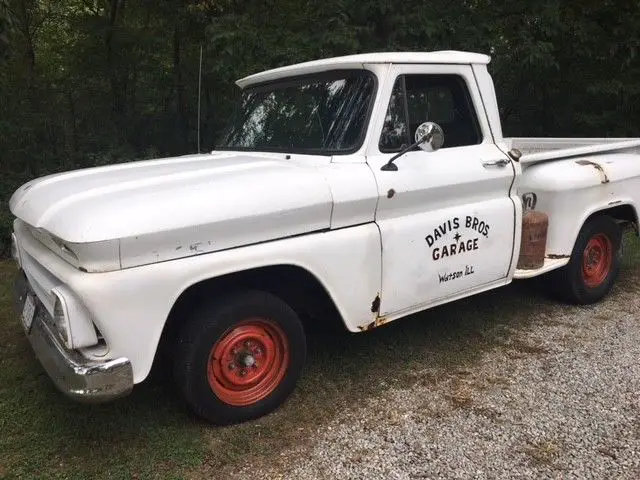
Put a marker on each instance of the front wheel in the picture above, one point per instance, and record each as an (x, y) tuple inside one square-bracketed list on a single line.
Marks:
[(239, 357), (594, 263)]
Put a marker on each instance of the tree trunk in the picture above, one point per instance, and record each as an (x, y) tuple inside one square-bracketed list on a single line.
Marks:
[(26, 17), (118, 87), (70, 126), (181, 106)]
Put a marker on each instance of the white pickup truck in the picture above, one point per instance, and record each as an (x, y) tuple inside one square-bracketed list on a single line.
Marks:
[(365, 188)]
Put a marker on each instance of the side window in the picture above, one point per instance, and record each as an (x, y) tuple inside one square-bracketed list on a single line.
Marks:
[(394, 131), (443, 99)]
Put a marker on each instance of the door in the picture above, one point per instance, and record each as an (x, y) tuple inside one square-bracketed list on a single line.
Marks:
[(446, 218)]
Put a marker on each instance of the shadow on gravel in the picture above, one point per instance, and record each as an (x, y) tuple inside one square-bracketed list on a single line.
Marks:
[(345, 369)]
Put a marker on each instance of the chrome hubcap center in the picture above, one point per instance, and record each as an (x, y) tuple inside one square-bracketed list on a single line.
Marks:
[(248, 360)]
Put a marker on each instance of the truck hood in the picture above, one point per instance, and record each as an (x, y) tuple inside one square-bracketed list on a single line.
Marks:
[(172, 207)]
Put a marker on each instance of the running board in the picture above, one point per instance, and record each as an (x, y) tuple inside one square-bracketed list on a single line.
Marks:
[(549, 264)]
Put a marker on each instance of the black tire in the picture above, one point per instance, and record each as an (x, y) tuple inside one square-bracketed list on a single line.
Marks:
[(214, 322), (571, 283)]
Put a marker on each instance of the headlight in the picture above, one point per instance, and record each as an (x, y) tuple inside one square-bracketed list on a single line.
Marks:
[(71, 322), (61, 319), (15, 252)]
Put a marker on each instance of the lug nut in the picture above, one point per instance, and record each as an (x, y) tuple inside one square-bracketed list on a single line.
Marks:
[(232, 366), (243, 372)]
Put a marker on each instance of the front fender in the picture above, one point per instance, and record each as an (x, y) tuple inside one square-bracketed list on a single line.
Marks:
[(131, 306)]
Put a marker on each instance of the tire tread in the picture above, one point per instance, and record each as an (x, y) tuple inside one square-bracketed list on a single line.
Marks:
[(208, 321), (566, 282)]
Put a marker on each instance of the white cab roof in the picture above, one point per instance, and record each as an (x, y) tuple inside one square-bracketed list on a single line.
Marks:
[(356, 61)]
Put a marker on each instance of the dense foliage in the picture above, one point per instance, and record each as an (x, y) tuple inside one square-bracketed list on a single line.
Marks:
[(90, 82)]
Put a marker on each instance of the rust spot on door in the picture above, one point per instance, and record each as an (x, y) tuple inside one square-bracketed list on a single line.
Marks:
[(379, 321), (375, 308), (597, 166), (375, 305)]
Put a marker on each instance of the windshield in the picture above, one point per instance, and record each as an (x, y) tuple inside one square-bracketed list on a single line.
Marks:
[(323, 113)]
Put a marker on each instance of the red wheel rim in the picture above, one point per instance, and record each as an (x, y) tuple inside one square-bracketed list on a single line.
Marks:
[(597, 259), (248, 362)]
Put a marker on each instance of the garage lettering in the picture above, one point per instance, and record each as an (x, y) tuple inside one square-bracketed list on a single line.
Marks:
[(454, 249), (478, 225), (442, 230), (456, 229), (447, 277)]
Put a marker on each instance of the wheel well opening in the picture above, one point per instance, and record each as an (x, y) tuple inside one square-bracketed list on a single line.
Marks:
[(297, 287), (624, 214)]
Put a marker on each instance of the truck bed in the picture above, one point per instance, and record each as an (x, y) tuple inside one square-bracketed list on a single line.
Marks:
[(540, 149)]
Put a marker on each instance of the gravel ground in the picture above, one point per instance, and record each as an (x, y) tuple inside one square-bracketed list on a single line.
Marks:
[(558, 399)]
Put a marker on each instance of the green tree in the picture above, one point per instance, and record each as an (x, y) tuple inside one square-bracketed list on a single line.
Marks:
[(91, 82)]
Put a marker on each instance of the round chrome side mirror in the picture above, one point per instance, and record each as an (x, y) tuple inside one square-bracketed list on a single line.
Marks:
[(430, 136)]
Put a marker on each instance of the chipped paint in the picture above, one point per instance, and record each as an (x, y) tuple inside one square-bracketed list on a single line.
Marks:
[(553, 256), (391, 193), (615, 202), (597, 166)]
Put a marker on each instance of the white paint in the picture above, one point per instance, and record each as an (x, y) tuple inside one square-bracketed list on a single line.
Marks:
[(130, 306), (354, 193), (148, 230), (549, 265), (570, 192), (541, 149), (356, 61), (486, 93), (432, 190), (162, 209)]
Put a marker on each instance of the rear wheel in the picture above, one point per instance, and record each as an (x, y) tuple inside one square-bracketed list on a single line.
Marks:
[(240, 357), (594, 263)]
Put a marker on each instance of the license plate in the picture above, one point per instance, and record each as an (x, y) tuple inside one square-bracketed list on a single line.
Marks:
[(28, 312)]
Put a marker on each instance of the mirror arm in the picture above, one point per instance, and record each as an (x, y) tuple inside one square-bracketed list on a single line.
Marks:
[(390, 166)]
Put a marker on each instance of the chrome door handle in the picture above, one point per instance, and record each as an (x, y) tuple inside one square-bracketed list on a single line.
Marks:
[(496, 163)]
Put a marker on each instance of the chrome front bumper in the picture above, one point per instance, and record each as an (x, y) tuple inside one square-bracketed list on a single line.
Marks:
[(82, 379)]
